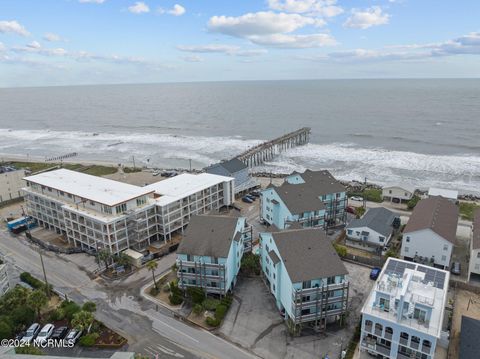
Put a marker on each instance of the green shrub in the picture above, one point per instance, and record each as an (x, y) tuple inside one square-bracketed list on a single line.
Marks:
[(70, 308), (467, 210), (251, 264), (6, 331), (89, 307), (359, 211), (220, 312), (227, 301), (196, 294), (373, 195), (22, 316), (29, 350), (154, 291), (210, 304), (88, 340), (175, 299), (341, 250), (57, 314), (213, 322), (33, 282), (197, 309), (413, 202)]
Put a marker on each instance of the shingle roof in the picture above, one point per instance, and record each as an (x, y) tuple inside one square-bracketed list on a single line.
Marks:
[(208, 235), (469, 338), (378, 219), (299, 198), (476, 230), (307, 254), (322, 182), (273, 256), (435, 213), (233, 165)]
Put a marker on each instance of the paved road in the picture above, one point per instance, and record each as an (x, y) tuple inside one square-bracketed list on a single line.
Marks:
[(149, 330)]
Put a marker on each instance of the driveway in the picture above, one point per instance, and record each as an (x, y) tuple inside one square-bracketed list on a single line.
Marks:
[(255, 323)]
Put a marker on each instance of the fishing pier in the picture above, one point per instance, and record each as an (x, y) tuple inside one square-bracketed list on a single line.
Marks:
[(266, 151)]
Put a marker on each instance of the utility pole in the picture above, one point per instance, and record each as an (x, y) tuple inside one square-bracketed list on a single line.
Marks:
[(190, 162), (133, 158), (29, 235)]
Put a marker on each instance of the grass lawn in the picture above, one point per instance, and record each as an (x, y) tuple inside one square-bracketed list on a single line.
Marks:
[(95, 170), (370, 194), (467, 209)]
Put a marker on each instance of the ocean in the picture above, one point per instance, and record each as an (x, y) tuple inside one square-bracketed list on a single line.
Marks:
[(416, 132)]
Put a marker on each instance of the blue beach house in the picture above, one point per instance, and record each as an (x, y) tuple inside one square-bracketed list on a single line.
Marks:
[(305, 275), (236, 169), (312, 199), (211, 251)]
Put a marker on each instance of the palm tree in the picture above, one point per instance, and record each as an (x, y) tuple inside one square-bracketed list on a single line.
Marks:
[(83, 320), (105, 257), (37, 300), (152, 265)]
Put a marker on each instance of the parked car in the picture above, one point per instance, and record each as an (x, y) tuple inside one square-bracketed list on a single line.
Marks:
[(155, 174), (356, 198), (45, 333), (31, 333), (374, 273), (251, 197), (59, 333), (456, 268), (254, 194), (351, 209), (73, 335), (246, 199)]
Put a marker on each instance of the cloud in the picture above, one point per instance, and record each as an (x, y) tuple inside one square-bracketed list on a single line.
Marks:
[(51, 37), (211, 48), (288, 41), (177, 10), (91, 1), (464, 45), (222, 49), (268, 28), (13, 27), (363, 19), (193, 58), (259, 23), (326, 8), (2, 47), (139, 8)]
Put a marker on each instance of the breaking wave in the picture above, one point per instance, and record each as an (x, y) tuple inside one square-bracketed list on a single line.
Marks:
[(347, 161)]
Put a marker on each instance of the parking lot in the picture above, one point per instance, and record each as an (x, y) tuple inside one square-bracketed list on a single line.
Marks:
[(254, 322)]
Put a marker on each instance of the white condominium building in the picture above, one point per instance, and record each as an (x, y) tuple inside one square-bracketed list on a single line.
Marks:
[(97, 213), (403, 315), (92, 212), (178, 198)]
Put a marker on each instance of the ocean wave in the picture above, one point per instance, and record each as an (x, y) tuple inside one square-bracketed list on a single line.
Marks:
[(346, 160)]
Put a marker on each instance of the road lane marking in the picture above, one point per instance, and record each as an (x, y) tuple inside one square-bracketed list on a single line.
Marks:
[(175, 329)]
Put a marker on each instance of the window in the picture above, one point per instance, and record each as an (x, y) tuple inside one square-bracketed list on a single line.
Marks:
[(141, 201), (445, 247), (419, 314), (69, 195), (378, 328), (406, 249), (384, 304), (121, 208), (349, 231), (444, 258), (92, 203), (106, 209), (408, 239), (307, 284), (390, 191), (478, 255), (331, 280), (274, 287), (381, 239)]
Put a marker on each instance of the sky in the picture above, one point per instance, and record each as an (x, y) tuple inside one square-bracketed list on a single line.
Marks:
[(77, 42)]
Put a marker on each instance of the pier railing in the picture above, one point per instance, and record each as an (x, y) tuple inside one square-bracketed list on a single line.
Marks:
[(266, 151)]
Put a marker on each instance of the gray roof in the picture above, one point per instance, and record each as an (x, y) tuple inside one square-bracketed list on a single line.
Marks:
[(307, 254), (436, 213), (469, 338), (476, 230), (233, 165), (273, 256), (299, 198), (208, 235), (378, 219), (322, 182)]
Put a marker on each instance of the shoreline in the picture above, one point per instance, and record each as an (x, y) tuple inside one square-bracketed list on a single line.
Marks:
[(468, 196)]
